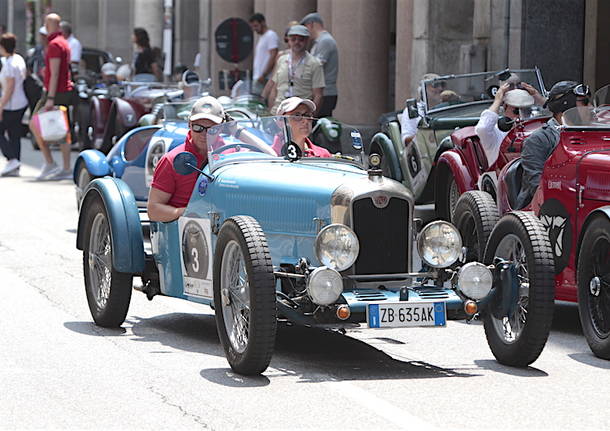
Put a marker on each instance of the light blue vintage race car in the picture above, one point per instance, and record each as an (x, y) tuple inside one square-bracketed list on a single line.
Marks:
[(270, 235)]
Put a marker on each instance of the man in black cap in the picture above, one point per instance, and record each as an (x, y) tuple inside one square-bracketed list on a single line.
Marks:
[(324, 48), (538, 147)]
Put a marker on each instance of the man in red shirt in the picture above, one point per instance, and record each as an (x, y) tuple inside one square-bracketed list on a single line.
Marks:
[(170, 192), (58, 90)]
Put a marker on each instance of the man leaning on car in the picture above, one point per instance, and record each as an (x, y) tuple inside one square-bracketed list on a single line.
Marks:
[(170, 192)]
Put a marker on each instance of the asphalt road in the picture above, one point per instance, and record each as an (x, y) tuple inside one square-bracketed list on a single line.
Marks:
[(165, 367)]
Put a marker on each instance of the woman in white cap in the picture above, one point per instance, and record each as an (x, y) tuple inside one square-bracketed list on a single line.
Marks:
[(170, 192), (300, 116)]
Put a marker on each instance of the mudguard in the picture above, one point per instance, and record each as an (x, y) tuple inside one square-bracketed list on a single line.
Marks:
[(124, 219), (96, 163), (453, 162), (127, 113), (605, 210), (389, 153)]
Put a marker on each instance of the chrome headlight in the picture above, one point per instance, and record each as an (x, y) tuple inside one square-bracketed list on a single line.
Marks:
[(324, 285), (439, 244), (337, 247), (475, 280)]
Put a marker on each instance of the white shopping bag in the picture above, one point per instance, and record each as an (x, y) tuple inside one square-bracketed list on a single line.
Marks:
[(53, 125)]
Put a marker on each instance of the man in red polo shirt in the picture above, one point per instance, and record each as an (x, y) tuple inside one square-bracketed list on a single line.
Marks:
[(58, 90), (170, 192)]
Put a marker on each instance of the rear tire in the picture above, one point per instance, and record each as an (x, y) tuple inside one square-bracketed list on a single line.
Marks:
[(108, 291), (518, 339), (83, 178), (594, 286), (447, 196), (244, 295), (475, 216)]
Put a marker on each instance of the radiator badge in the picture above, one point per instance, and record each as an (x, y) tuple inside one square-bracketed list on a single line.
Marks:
[(380, 201)]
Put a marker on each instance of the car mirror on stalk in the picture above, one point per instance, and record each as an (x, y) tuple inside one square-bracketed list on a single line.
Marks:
[(412, 108), (505, 123), (185, 163)]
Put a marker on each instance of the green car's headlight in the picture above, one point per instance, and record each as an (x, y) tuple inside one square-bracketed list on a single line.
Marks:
[(337, 247), (439, 244)]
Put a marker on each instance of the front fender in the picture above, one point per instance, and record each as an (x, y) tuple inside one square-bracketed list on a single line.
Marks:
[(387, 148), (126, 113), (124, 219), (452, 161), (96, 163), (605, 211)]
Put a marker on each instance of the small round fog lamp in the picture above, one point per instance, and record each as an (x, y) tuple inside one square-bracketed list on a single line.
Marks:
[(475, 280), (324, 285)]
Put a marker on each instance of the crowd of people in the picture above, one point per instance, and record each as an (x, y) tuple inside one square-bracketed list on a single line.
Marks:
[(300, 82)]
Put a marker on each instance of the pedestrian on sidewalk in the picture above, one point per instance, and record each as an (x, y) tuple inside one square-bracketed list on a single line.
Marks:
[(265, 53), (58, 91), (13, 104), (76, 49), (324, 48)]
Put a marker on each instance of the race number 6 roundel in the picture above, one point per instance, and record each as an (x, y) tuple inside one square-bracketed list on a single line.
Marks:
[(195, 251)]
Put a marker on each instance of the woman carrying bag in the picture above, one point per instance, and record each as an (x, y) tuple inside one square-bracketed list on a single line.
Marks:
[(13, 104)]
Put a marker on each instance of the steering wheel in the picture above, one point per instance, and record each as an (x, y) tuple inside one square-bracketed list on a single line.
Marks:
[(229, 146)]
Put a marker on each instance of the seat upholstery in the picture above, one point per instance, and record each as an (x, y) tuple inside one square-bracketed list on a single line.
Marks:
[(513, 177)]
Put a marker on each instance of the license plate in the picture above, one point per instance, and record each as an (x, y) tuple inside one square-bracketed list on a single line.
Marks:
[(404, 314)]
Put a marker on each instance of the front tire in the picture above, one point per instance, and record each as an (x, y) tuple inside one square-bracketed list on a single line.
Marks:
[(518, 339), (108, 291), (475, 216), (594, 286), (244, 295), (447, 196)]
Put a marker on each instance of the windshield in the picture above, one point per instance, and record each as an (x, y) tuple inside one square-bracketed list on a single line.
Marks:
[(268, 138), (177, 111), (453, 90), (588, 117), (602, 97)]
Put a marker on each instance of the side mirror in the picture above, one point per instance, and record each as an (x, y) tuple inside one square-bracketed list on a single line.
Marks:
[(185, 163), (505, 123), (412, 108)]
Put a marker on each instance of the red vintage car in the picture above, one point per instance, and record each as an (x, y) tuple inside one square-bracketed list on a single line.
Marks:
[(118, 110), (566, 225), (465, 167)]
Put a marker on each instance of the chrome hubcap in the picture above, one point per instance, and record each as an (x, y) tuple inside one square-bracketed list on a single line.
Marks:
[(235, 296), (100, 260), (595, 286)]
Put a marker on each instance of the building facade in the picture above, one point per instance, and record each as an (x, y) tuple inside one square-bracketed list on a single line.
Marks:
[(384, 45)]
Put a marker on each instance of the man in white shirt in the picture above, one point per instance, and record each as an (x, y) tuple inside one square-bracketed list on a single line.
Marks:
[(76, 49), (265, 53), (512, 101)]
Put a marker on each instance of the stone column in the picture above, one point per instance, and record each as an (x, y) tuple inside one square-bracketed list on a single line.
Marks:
[(115, 26), (361, 30), (63, 8), (325, 9), (84, 19), (221, 10), (205, 39), (279, 13), (186, 31), (148, 14), (404, 50)]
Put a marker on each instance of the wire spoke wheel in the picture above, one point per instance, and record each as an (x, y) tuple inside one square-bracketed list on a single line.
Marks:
[(244, 295), (108, 291), (593, 275), (517, 331)]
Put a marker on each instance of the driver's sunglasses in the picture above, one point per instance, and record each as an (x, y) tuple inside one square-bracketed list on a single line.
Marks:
[(301, 117), (198, 128)]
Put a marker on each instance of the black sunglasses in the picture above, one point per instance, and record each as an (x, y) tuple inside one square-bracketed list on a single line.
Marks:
[(198, 128)]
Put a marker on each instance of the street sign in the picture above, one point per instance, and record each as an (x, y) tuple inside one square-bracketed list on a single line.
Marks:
[(234, 40)]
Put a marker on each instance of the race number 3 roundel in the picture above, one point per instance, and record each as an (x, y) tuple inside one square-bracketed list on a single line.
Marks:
[(195, 251), (556, 221)]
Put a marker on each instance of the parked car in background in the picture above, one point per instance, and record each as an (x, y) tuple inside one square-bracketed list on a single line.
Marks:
[(446, 103), (570, 211), (322, 242)]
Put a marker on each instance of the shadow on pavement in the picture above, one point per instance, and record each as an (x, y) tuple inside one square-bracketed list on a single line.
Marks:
[(314, 355), (492, 365), (588, 358), (565, 318)]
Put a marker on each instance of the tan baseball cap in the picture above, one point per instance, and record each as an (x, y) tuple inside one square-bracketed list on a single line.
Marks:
[(207, 107), (291, 104)]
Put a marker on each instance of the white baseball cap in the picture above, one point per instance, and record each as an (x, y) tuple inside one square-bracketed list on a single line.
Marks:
[(291, 104), (518, 98), (109, 69), (209, 108)]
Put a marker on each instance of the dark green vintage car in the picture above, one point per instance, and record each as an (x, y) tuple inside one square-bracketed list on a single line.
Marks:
[(445, 104)]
